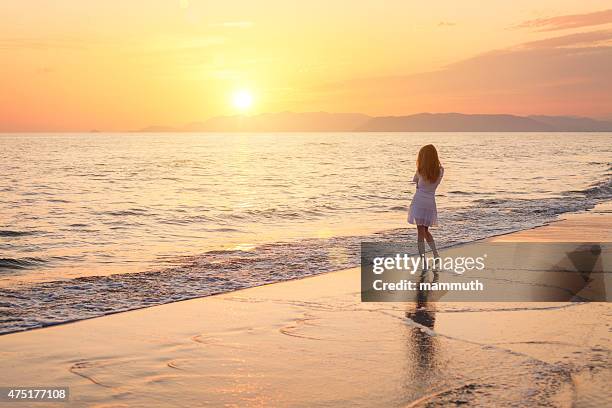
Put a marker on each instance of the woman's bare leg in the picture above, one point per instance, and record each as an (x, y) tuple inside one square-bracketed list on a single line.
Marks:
[(421, 235), (431, 243)]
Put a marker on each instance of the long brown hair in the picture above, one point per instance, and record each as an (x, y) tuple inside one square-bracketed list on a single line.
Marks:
[(428, 164)]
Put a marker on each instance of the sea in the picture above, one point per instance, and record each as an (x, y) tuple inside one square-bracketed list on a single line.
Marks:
[(100, 223)]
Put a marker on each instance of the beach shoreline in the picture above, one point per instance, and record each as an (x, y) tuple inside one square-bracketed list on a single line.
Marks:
[(311, 342), (512, 236)]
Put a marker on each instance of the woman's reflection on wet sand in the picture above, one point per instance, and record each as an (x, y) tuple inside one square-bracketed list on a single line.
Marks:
[(423, 344)]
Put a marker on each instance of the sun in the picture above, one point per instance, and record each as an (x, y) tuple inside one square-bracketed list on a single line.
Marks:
[(242, 99)]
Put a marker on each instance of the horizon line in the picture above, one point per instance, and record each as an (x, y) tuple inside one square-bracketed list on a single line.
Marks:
[(180, 128)]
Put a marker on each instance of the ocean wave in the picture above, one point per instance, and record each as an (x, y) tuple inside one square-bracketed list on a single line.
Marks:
[(224, 229), (11, 233), (314, 211), (600, 190), (122, 213), (20, 263)]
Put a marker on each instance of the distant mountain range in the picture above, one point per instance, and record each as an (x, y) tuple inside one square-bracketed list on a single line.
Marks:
[(421, 122)]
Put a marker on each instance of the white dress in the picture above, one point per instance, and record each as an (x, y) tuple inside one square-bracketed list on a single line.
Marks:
[(423, 209)]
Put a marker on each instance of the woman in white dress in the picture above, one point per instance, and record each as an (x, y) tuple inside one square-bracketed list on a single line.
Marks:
[(423, 212)]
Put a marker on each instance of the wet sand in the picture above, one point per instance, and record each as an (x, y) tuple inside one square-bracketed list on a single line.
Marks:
[(312, 343)]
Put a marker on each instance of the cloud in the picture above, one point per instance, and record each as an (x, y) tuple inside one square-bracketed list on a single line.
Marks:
[(592, 38), (544, 78), (568, 21), (446, 24)]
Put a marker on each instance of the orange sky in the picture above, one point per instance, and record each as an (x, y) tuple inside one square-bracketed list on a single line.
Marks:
[(122, 65)]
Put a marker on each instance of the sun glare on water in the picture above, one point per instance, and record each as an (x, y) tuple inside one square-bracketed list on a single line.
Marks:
[(242, 100)]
